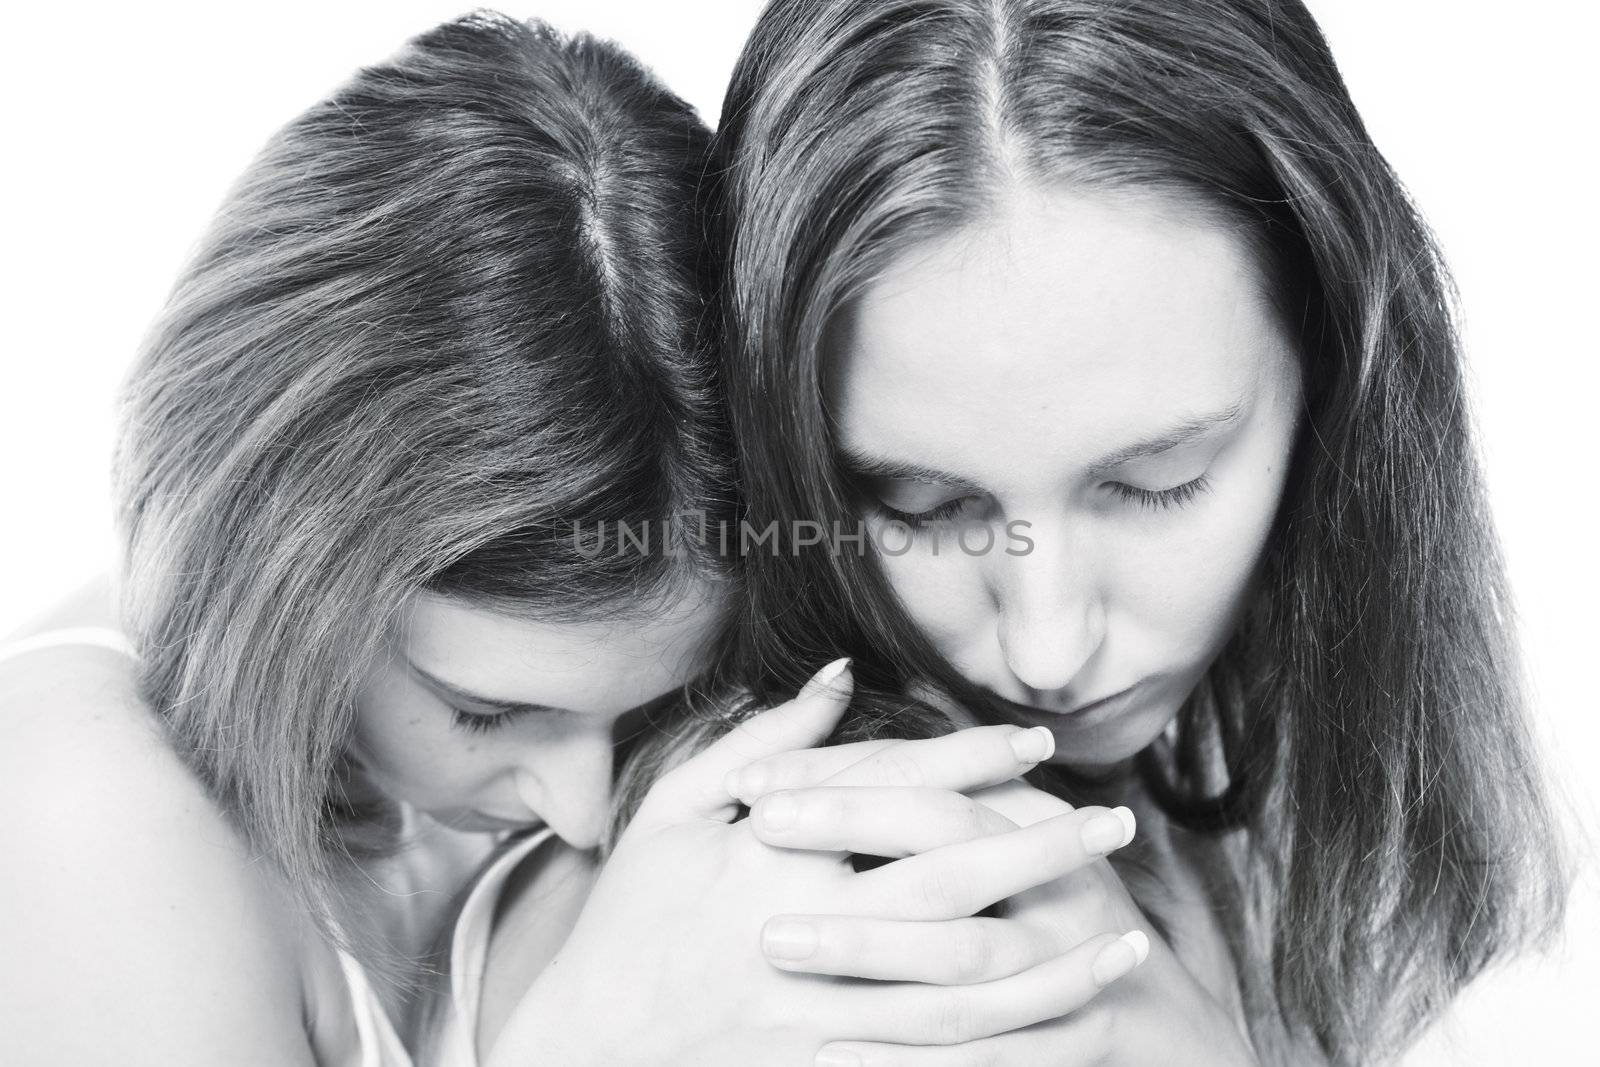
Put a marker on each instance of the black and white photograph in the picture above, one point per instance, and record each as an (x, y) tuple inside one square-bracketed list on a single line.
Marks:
[(800, 533)]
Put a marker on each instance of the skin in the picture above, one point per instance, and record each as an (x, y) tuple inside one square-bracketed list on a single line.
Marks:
[(967, 336), (680, 908), (1008, 373), (194, 898), (1003, 374), (1110, 370)]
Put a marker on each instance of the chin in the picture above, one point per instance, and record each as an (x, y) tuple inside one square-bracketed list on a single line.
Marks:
[(1101, 755)]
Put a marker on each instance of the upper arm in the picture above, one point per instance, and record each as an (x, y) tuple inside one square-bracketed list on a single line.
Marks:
[(138, 928)]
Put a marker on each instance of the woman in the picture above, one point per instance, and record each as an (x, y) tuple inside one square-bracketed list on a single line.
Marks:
[(1133, 274), (449, 318), (446, 311)]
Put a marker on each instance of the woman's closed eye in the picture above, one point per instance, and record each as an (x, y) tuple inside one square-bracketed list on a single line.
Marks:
[(952, 508), (483, 722), (1155, 499)]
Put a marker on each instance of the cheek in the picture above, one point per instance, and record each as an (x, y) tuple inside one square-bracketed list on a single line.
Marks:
[(405, 741), (1178, 597), (1181, 591), (944, 594)]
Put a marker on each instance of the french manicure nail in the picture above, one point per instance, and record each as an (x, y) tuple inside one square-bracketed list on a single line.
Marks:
[(1129, 823), (1141, 945), (778, 811), (1120, 957), (787, 939), (824, 678), (1034, 745), (1103, 833)]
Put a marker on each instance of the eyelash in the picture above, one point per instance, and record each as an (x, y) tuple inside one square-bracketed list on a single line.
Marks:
[(1153, 499), (948, 510), (481, 724)]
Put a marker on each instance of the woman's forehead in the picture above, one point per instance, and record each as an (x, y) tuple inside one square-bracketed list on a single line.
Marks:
[(1072, 321), (601, 665)]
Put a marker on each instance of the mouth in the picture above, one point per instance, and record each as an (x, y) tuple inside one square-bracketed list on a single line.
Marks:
[(1086, 714)]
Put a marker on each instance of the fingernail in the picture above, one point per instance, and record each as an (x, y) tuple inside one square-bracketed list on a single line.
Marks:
[(786, 939), (778, 811), (1103, 833), (1034, 745), (1130, 825), (824, 678), (1120, 957), (835, 1057)]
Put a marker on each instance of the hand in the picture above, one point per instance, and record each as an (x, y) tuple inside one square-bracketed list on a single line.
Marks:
[(1158, 1014), (665, 966)]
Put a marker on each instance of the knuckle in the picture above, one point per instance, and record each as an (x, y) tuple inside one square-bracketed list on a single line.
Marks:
[(840, 943), (899, 766), (972, 954), (953, 1020), (972, 819), (942, 889), (1047, 855), (827, 811)]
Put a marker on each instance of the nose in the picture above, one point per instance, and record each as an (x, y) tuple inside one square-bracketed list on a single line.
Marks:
[(1051, 613), (568, 782)]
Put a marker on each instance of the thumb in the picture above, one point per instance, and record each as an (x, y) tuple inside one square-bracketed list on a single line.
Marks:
[(696, 788)]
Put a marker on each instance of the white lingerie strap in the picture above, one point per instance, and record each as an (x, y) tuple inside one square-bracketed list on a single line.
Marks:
[(380, 1045), (469, 952)]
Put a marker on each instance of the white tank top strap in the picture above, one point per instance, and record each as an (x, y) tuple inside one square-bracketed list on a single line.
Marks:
[(97, 636), (469, 952), (380, 1045)]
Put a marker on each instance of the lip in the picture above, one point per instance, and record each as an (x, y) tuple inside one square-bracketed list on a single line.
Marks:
[(1087, 714)]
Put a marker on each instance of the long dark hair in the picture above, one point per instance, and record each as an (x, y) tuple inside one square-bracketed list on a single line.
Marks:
[(1365, 725), (449, 314)]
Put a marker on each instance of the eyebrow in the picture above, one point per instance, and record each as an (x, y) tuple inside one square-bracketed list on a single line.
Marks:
[(1184, 433), (457, 695), (861, 465)]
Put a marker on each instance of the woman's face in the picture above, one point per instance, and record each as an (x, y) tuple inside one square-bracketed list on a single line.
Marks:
[(1109, 371), (489, 722)]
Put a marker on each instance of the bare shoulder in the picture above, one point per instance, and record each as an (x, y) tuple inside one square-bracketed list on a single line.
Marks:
[(139, 927), (93, 603)]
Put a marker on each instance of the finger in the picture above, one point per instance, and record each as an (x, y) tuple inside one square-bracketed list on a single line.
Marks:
[(890, 822), (695, 788), (964, 760), (913, 1014), (1021, 802), (957, 952), (799, 769), (959, 880)]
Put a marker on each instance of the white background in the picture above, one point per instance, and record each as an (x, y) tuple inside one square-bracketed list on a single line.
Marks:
[(125, 123)]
